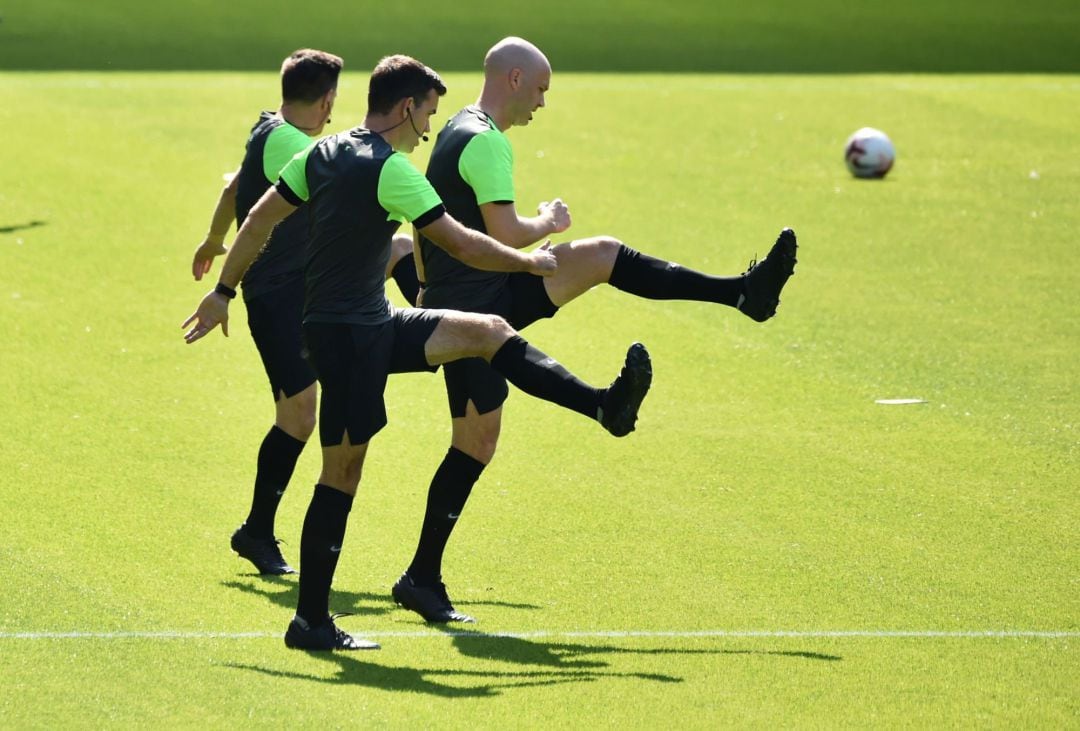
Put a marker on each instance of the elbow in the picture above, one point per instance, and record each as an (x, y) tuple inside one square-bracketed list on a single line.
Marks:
[(230, 188)]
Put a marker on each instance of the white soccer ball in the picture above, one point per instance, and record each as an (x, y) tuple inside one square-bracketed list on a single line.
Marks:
[(869, 153)]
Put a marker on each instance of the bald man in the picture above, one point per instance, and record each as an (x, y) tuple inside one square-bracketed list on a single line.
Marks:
[(471, 168)]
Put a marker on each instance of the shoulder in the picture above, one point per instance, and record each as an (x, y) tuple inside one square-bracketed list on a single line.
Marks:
[(399, 166), (488, 145), (284, 135), (361, 143), (264, 125)]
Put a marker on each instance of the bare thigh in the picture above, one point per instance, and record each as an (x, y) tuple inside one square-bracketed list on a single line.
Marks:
[(466, 335), (583, 264)]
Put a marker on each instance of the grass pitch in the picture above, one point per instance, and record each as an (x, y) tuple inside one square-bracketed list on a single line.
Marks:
[(825, 36), (649, 581)]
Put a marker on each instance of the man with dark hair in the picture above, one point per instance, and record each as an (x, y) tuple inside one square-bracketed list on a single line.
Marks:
[(307, 75), (359, 189), (274, 288), (471, 168)]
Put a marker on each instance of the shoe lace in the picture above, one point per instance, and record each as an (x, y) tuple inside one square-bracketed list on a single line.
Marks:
[(751, 265), (340, 636)]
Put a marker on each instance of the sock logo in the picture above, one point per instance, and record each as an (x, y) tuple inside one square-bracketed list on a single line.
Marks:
[(453, 516), (335, 549)]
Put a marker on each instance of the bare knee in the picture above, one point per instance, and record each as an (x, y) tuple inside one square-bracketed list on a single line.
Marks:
[(344, 476), (499, 327), (343, 467), (598, 249), (295, 415), (466, 335), (607, 245), (477, 435), (480, 447), (490, 332)]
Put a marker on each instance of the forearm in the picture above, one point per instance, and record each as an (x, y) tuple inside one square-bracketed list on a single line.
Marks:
[(253, 235), (474, 248), (224, 215), (483, 252), (528, 231), (502, 222), (249, 242)]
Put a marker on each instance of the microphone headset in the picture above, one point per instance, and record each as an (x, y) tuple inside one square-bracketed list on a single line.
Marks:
[(408, 111)]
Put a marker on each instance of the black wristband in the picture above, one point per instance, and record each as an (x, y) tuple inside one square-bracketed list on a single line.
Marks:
[(225, 291)]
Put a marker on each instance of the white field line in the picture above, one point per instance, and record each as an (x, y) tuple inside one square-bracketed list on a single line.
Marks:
[(614, 634)]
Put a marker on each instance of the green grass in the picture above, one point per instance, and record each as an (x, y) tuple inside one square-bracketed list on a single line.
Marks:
[(628, 35), (763, 491)]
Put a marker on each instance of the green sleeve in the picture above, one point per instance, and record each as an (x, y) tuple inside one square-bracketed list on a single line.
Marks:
[(281, 144), (487, 165), (294, 174), (403, 191)]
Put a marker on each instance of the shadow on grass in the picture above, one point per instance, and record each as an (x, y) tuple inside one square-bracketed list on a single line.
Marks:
[(541, 664), (553, 667), (282, 591), (20, 226), (476, 683), (507, 648)]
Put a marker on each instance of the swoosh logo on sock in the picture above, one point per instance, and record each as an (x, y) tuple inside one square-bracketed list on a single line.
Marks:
[(453, 516), (335, 549)]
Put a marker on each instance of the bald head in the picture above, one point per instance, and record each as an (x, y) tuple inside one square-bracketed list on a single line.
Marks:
[(514, 53), (516, 77)]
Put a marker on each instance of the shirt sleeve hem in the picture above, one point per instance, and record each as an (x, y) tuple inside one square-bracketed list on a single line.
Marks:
[(430, 216), (287, 193)]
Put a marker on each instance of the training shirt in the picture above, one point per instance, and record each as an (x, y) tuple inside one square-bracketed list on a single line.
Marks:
[(472, 163), (271, 144), (358, 192)]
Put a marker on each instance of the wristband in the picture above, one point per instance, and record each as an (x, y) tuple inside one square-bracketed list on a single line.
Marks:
[(225, 291)]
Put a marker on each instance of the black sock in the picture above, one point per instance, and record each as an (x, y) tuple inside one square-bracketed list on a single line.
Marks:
[(404, 274), (450, 488), (277, 460), (538, 375), (320, 546), (655, 279)]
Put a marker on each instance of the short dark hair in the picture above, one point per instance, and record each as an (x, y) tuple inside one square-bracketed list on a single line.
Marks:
[(398, 77), (308, 74)]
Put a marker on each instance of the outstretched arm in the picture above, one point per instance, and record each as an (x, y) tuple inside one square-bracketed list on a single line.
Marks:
[(271, 209), (483, 252), (214, 243), (503, 222)]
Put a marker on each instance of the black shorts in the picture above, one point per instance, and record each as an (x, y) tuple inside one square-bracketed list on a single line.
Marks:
[(523, 301), (353, 362), (274, 319)]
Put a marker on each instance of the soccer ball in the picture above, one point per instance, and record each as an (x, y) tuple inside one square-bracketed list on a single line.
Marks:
[(869, 153)]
